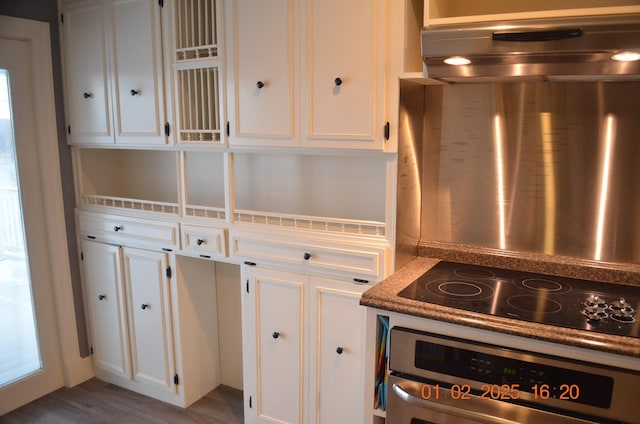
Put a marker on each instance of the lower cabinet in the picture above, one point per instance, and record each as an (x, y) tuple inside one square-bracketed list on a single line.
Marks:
[(303, 346), (130, 313), (134, 306)]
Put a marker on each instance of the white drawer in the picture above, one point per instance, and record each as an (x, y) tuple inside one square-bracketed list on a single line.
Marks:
[(347, 259), (129, 231), (205, 242)]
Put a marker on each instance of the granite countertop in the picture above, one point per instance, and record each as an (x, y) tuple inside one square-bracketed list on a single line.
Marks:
[(384, 296)]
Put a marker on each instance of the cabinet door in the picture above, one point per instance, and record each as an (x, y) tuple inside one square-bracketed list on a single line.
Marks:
[(137, 72), (261, 78), (150, 318), (345, 59), (106, 307), (87, 72), (337, 346), (275, 334)]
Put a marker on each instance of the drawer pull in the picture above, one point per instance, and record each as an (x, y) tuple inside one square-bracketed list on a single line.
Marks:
[(275, 335), (134, 92), (199, 242), (144, 306), (307, 256), (102, 297), (259, 84), (338, 81), (87, 95), (117, 228), (361, 281), (339, 350)]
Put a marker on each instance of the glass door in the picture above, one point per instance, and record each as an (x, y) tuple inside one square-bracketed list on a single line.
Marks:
[(30, 358), (19, 352)]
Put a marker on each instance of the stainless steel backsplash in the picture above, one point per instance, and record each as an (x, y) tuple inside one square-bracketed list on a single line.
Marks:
[(546, 167)]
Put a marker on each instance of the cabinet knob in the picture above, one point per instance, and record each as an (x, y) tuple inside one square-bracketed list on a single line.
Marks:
[(307, 256), (87, 95), (338, 81), (259, 84), (339, 350), (117, 228), (275, 335), (134, 92), (102, 297), (199, 241), (144, 305)]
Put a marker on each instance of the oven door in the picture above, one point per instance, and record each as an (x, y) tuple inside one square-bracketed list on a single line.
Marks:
[(407, 404)]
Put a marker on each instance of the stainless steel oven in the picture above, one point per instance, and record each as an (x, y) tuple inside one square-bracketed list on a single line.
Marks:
[(439, 379)]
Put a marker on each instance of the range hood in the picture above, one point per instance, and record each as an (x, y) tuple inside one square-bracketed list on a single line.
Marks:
[(545, 49)]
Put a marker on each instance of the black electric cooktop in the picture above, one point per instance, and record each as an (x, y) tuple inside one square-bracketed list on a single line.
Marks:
[(565, 302)]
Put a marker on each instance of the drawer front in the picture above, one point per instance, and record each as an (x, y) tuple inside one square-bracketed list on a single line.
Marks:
[(205, 242), (346, 259), (129, 231)]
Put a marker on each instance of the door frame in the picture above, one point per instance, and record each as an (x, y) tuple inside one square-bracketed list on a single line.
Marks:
[(75, 368)]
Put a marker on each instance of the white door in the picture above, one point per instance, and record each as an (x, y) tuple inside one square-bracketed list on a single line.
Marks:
[(137, 72), (87, 73), (30, 358), (337, 346), (275, 332), (149, 317), (105, 300)]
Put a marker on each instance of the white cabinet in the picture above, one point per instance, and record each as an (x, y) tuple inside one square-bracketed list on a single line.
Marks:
[(291, 56), (106, 307), (303, 346), (274, 346), (337, 351), (438, 12), (87, 78), (114, 75), (129, 310), (345, 73), (261, 81), (149, 313)]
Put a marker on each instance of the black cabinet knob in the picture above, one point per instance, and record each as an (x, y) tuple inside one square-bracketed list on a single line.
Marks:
[(259, 84), (134, 92), (339, 350), (199, 241), (275, 335), (117, 228), (87, 95), (144, 305), (307, 256), (102, 297), (338, 81)]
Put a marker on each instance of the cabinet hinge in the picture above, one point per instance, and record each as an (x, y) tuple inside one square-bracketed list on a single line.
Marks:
[(69, 129), (250, 402), (167, 129), (247, 286), (228, 129), (168, 272), (386, 131), (82, 256), (176, 379), (91, 350), (62, 17)]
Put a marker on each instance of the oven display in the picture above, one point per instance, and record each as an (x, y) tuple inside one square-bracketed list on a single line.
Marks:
[(541, 381)]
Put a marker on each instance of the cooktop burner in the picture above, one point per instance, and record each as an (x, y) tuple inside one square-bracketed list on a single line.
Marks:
[(566, 302)]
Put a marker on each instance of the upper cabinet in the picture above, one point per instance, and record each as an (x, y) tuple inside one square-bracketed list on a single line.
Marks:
[(114, 72), (299, 75), (438, 12), (344, 73)]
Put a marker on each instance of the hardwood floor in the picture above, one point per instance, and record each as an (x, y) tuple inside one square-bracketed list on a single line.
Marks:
[(98, 402)]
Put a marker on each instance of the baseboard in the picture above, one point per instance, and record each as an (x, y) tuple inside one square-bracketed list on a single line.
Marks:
[(78, 371)]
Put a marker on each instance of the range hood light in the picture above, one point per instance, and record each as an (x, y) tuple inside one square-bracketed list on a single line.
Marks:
[(457, 60), (626, 56)]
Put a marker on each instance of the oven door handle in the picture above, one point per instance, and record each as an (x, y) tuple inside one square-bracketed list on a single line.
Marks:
[(417, 399)]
